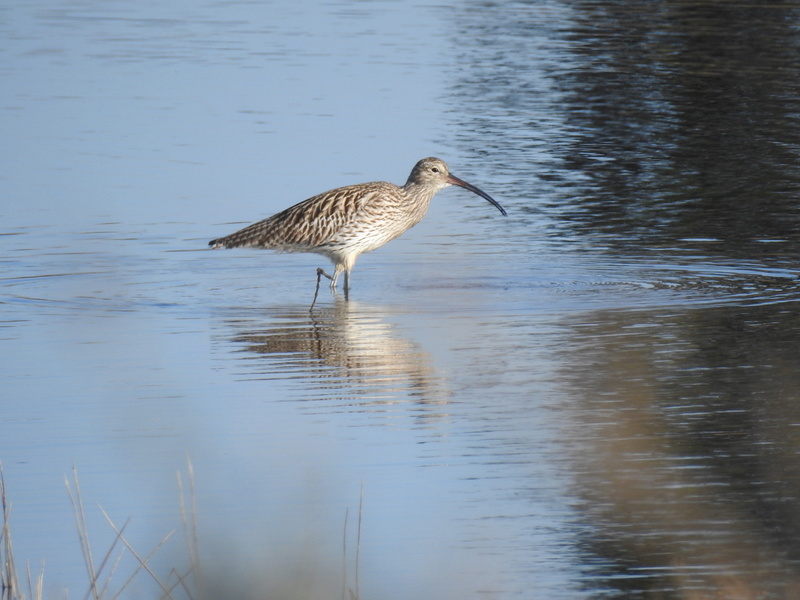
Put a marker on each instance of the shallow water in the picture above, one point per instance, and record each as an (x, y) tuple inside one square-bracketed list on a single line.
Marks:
[(594, 397)]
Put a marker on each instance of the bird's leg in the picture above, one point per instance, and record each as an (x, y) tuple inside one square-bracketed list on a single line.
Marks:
[(320, 273), (347, 284), (335, 279)]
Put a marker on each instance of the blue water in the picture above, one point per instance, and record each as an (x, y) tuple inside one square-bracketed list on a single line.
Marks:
[(591, 398)]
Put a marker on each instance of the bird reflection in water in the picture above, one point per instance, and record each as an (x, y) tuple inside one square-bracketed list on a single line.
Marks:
[(349, 355)]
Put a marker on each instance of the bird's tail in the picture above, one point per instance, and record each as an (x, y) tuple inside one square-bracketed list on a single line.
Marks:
[(230, 241), (255, 235)]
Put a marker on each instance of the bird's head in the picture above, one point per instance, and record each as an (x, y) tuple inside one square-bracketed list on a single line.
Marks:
[(433, 173)]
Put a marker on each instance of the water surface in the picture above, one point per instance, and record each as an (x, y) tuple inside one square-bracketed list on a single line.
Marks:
[(591, 398)]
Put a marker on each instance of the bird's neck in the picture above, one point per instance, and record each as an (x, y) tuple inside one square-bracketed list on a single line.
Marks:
[(418, 198), (419, 193)]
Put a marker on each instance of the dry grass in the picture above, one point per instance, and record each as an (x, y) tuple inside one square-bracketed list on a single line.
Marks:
[(9, 585), (103, 571), (101, 574), (352, 592), (9, 581)]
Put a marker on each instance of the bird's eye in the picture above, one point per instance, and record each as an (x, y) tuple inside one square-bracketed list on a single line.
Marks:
[(435, 169)]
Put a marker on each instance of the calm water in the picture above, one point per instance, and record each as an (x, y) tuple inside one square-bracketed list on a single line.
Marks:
[(596, 397)]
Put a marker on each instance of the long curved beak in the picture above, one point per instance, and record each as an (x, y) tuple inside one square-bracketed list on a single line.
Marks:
[(452, 179)]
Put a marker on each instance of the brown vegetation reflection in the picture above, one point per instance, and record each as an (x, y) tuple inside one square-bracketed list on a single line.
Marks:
[(685, 437), (347, 354)]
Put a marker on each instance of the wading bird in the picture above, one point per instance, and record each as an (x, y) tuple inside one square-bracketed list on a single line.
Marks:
[(345, 222)]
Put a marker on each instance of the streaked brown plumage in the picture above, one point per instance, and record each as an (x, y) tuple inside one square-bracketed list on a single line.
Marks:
[(343, 223)]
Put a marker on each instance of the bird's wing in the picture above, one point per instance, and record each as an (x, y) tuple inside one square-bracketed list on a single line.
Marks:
[(312, 222)]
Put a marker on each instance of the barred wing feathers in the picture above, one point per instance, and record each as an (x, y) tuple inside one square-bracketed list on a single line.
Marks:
[(314, 222)]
